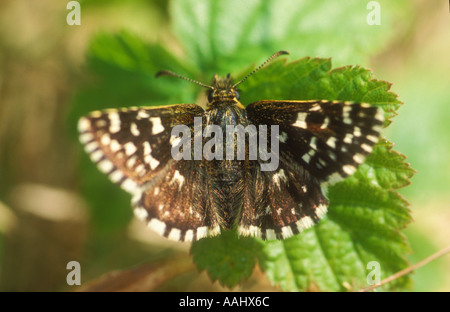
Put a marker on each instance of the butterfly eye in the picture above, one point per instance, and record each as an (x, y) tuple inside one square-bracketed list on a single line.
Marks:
[(236, 94), (210, 96)]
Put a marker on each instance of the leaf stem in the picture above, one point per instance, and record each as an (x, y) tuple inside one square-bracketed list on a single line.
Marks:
[(408, 270)]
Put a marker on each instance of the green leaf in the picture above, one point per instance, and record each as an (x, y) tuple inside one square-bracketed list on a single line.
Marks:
[(388, 172), (242, 32), (227, 258)]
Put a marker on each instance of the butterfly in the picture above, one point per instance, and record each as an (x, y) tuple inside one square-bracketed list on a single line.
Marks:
[(188, 198)]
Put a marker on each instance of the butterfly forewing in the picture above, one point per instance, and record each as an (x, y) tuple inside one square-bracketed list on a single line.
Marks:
[(327, 138), (132, 145)]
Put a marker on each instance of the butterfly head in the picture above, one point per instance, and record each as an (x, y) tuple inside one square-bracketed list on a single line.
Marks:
[(222, 90)]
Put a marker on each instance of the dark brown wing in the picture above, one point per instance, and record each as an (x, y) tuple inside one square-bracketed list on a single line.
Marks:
[(320, 142)]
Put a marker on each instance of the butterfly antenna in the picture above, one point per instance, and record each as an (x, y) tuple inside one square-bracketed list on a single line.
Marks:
[(169, 73), (275, 55)]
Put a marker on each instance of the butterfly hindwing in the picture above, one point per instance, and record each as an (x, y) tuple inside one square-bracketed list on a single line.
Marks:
[(285, 202), (178, 205)]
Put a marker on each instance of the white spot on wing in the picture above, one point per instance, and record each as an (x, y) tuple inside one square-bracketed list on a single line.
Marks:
[(358, 158), (116, 176), (304, 223), (140, 213), (286, 231), (105, 139), (177, 178), (148, 158), (347, 121), (250, 231), (202, 232), (214, 231), (147, 148), (131, 161), (134, 129), (114, 122), (90, 147), (348, 169), (325, 124), (301, 120), (306, 158), (96, 156), (283, 137), (321, 211), (331, 142), (313, 143), (142, 114), (348, 138), (83, 124), (136, 196), (157, 226), (379, 115), (130, 148), (96, 114), (346, 111), (175, 234), (151, 161), (189, 236), (174, 140), (114, 146), (129, 185), (157, 126), (106, 166), (140, 169), (86, 137), (372, 138), (366, 147)]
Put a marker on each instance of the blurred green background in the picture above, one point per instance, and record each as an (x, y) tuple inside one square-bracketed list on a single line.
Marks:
[(51, 214)]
